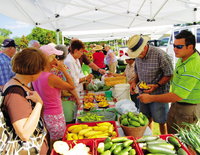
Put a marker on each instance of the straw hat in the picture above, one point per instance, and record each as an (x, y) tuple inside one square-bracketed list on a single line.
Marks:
[(136, 45), (98, 48)]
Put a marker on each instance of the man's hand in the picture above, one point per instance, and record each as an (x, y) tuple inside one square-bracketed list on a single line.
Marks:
[(152, 88), (132, 87), (145, 98)]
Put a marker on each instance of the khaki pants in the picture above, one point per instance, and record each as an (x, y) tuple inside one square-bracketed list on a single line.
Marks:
[(180, 113), (113, 67)]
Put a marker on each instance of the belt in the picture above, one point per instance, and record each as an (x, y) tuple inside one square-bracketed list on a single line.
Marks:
[(184, 103)]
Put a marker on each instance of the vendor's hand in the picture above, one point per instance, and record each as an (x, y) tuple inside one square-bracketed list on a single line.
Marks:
[(145, 98), (34, 96), (132, 88), (89, 77), (152, 88), (102, 71)]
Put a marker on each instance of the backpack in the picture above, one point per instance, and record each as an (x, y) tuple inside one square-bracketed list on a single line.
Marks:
[(10, 143)]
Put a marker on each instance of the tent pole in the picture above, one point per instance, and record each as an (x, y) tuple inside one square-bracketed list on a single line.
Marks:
[(57, 38)]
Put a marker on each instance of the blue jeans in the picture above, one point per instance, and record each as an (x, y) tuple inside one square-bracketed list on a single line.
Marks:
[(157, 111)]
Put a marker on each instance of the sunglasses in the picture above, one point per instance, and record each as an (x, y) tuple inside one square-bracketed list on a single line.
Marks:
[(178, 46)]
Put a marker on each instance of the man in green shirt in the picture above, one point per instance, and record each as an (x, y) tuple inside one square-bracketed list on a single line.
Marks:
[(185, 85)]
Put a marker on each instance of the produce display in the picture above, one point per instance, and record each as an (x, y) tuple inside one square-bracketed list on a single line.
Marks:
[(111, 81), (164, 144), (131, 119), (63, 148), (90, 117), (116, 146), (97, 116), (84, 131), (90, 99), (97, 85)]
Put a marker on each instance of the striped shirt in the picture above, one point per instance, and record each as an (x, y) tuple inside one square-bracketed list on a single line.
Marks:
[(6, 72), (153, 67), (186, 79)]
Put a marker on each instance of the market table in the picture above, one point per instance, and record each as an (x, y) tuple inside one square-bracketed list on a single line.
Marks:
[(111, 106)]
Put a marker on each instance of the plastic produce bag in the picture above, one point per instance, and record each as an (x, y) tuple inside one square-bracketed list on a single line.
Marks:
[(125, 105)]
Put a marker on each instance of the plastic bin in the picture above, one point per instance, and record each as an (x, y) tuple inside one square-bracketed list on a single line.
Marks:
[(88, 142), (91, 124), (134, 145), (164, 137)]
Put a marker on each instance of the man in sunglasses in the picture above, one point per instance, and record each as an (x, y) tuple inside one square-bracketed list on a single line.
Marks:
[(185, 85)]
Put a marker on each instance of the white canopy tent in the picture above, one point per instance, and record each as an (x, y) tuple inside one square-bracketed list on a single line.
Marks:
[(118, 18)]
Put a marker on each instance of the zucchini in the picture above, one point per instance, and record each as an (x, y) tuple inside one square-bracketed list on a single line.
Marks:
[(127, 143), (117, 149), (147, 139), (157, 141), (113, 147), (132, 152), (106, 153), (125, 151), (107, 146), (119, 139), (159, 149), (173, 141), (165, 145)]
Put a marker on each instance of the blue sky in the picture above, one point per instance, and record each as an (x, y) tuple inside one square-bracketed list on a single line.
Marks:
[(18, 28)]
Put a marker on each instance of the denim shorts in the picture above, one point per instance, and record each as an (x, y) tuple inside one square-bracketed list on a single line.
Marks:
[(157, 111)]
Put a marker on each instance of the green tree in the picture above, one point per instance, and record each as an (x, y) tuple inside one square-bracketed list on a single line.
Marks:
[(23, 42), (42, 35), (5, 32)]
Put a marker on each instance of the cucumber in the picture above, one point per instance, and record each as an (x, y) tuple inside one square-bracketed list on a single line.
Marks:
[(119, 139), (173, 141), (159, 149), (165, 145), (117, 149), (108, 139), (157, 141), (125, 151), (106, 153), (132, 152), (181, 152), (127, 143), (147, 139), (141, 121), (113, 147), (107, 146)]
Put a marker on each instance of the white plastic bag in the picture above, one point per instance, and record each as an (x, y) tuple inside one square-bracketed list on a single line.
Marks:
[(125, 105)]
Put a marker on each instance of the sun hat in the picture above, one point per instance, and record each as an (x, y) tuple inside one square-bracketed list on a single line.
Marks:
[(136, 45), (98, 48), (50, 50), (9, 43)]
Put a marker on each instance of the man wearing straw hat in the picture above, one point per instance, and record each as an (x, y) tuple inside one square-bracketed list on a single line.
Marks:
[(153, 66)]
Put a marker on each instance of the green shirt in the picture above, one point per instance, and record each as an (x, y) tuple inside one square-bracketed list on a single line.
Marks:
[(186, 79)]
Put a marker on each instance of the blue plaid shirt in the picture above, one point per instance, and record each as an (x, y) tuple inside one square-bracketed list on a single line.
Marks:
[(153, 67), (6, 72)]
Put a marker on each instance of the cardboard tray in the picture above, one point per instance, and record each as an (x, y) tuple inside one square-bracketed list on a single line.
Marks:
[(91, 124)]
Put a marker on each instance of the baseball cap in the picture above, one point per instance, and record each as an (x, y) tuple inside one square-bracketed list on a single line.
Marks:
[(50, 50), (9, 43)]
